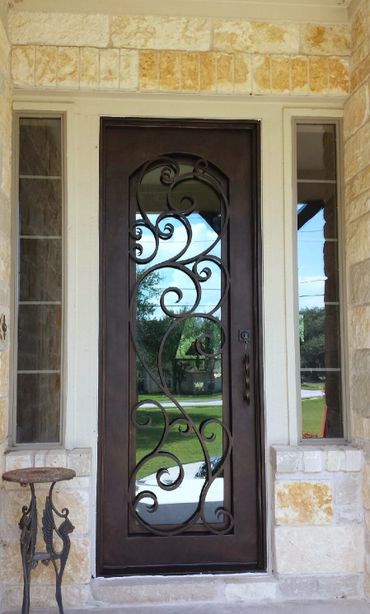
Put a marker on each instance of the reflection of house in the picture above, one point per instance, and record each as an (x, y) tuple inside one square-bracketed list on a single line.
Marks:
[(272, 62), (197, 375)]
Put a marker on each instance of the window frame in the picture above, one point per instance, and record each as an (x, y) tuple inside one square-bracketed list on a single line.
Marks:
[(17, 116), (338, 123)]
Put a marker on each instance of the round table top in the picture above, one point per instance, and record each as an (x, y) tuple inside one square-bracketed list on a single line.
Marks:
[(38, 475)]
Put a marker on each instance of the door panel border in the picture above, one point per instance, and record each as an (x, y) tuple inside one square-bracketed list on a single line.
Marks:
[(254, 127)]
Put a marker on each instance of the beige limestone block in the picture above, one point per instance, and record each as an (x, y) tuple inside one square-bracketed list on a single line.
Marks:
[(242, 73), (4, 373), (274, 37), (109, 68), (360, 54), (64, 29), (4, 411), (23, 66), (17, 460), (77, 501), (261, 74), (149, 70), (43, 596), (357, 151), (358, 184), (208, 72), (319, 549), (68, 67), (358, 234), (79, 459), (77, 570), (359, 279), (280, 74), (356, 112), (303, 503), (225, 73), (336, 460), (46, 66), (358, 28), (128, 69), (360, 327), (157, 32), (361, 73), (89, 67), (338, 76), (231, 35), (299, 74), (366, 486), (169, 71), (56, 458), (10, 562), (318, 75), (190, 72), (5, 266), (321, 39)]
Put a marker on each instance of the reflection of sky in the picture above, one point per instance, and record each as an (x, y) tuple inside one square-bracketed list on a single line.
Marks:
[(203, 236), (311, 278)]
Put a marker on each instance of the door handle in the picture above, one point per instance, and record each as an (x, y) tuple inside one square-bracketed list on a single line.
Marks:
[(245, 337)]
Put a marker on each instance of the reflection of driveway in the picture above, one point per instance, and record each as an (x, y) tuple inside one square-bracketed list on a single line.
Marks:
[(312, 394), (178, 505), (195, 403)]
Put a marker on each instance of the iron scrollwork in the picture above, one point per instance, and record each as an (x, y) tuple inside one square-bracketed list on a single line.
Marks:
[(179, 203)]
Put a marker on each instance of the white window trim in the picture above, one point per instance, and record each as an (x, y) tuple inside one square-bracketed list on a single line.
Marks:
[(39, 114), (292, 117)]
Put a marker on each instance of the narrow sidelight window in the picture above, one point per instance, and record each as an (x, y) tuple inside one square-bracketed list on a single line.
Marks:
[(318, 281), (40, 281)]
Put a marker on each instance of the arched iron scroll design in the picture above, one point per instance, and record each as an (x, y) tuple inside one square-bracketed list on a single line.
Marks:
[(179, 205)]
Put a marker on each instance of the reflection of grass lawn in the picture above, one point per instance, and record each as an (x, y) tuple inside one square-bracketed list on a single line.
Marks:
[(313, 385), (185, 447), (312, 413)]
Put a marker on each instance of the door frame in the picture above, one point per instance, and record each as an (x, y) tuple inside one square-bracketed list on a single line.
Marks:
[(257, 314)]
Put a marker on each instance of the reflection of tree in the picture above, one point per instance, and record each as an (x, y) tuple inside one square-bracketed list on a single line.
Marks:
[(313, 338), (184, 346)]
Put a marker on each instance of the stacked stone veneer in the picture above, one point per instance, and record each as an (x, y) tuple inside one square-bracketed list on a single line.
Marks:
[(5, 234), (76, 495), (178, 54), (318, 521), (357, 231)]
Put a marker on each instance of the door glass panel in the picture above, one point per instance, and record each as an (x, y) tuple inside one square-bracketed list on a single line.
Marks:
[(178, 321)]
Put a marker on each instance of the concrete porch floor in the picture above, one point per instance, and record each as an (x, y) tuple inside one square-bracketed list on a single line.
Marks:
[(317, 607)]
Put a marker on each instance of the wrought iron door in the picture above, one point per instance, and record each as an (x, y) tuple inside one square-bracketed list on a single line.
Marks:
[(180, 455)]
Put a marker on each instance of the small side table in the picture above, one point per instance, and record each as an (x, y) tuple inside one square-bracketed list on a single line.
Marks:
[(28, 526)]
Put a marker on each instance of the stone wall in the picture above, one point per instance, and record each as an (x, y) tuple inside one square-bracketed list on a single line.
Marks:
[(357, 230), (318, 521), (5, 238), (178, 54)]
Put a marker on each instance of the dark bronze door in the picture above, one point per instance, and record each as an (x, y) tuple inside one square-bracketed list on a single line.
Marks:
[(180, 442)]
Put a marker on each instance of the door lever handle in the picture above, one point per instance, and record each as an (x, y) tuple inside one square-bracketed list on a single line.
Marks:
[(245, 337)]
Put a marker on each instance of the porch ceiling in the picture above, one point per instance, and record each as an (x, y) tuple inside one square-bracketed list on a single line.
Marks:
[(297, 10)]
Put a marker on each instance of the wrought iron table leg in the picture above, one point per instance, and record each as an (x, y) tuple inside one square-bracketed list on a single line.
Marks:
[(49, 529), (28, 527)]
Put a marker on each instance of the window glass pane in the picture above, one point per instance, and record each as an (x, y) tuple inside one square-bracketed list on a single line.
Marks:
[(38, 397), (316, 151), (40, 147), (318, 282), (40, 264), (39, 281), (40, 208), (39, 340), (321, 404)]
